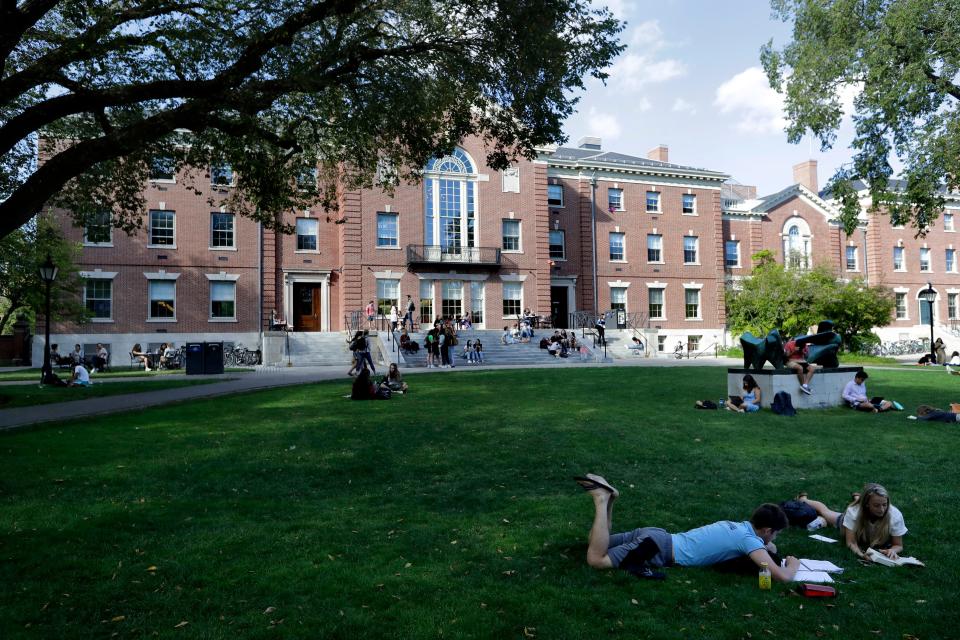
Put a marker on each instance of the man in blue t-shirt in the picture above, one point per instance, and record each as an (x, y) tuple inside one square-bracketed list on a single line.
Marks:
[(641, 550)]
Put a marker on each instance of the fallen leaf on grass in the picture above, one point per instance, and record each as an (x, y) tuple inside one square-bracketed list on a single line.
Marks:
[(182, 624), (118, 618), (634, 601), (748, 615), (152, 567), (530, 632), (269, 610), (509, 573), (408, 565)]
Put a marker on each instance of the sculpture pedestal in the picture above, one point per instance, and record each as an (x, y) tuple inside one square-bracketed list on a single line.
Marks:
[(827, 385)]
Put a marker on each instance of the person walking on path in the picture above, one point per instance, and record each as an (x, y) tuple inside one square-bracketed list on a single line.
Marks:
[(411, 309), (601, 326)]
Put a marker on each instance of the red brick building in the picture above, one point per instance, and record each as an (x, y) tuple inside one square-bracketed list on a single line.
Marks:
[(471, 240)]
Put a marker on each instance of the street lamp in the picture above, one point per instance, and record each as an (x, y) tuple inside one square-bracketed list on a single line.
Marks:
[(48, 273), (929, 295)]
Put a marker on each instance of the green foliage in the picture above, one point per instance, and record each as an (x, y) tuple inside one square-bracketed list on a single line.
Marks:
[(794, 300), (450, 513), (367, 91), (21, 288), (901, 61)]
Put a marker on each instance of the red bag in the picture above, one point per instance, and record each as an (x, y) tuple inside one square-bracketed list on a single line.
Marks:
[(816, 591)]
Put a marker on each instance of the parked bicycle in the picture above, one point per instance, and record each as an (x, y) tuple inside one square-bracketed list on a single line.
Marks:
[(240, 356)]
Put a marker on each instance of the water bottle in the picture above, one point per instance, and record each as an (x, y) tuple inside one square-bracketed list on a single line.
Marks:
[(722, 403), (765, 580)]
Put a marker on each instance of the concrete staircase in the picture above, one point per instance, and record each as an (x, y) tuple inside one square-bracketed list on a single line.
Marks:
[(325, 349), (494, 352)]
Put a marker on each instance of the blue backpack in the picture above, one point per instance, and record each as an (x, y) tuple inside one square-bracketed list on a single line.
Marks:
[(783, 404)]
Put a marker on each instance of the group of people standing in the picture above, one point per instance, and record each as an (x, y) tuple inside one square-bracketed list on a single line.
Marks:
[(440, 344)]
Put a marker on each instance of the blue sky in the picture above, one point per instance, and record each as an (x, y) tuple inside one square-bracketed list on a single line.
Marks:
[(691, 78)]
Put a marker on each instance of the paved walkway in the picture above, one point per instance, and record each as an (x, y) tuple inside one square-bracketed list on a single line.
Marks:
[(263, 378)]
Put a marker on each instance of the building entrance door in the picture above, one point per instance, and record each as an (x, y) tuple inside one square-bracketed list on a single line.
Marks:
[(558, 307), (306, 307)]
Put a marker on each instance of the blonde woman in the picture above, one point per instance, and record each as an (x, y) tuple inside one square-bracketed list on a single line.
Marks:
[(870, 521)]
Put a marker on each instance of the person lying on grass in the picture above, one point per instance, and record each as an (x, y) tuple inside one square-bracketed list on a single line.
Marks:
[(932, 414), (869, 521), (644, 549)]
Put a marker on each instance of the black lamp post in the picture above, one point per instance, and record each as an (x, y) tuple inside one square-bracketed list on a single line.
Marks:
[(48, 273), (930, 295)]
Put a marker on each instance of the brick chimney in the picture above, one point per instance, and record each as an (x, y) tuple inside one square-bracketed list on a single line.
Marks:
[(806, 174), (660, 153)]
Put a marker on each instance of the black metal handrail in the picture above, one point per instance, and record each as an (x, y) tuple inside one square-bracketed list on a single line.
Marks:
[(436, 254)]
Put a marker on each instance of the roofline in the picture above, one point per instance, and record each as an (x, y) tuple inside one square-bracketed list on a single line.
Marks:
[(675, 171)]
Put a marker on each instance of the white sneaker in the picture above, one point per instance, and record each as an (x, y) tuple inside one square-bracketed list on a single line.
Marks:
[(816, 523), (806, 389)]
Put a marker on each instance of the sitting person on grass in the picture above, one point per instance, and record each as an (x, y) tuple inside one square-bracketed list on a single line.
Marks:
[(855, 395), (642, 550), (80, 378), (394, 380), (363, 388), (751, 397), (869, 521)]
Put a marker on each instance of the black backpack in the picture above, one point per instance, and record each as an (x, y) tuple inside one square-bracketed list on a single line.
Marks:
[(799, 513), (783, 404)]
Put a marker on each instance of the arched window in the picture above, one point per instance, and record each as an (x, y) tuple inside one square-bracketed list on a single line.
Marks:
[(450, 213), (796, 244)]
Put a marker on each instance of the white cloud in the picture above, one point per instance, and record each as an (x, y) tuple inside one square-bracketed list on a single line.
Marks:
[(683, 106), (641, 104), (748, 97), (619, 8), (647, 35), (632, 71), (603, 125)]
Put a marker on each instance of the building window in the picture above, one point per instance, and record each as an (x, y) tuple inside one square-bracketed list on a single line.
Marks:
[(511, 180), (451, 305), (653, 202), (661, 343), (98, 229), (655, 304), (615, 199), (952, 306), (898, 259), (221, 175), (618, 298), (426, 302), (476, 302), (223, 300), (851, 258), (163, 168), (98, 297), (511, 298), (163, 299), (924, 259), (557, 245), (690, 244), (948, 222), (654, 247), (731, 253), (307, 229), (797, 249), (450, 212), (555, 195), (616, 247), (163, 228), (693, 343), (388, 295), (950, 260), (691, 298), (307, 178), (901, 299), (511, 235), (221, 231), (388, 234), (689, 204)]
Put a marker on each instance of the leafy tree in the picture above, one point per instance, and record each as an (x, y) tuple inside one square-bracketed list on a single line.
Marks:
[(275, 88), (902, 59), (794, 300), (21, 288)]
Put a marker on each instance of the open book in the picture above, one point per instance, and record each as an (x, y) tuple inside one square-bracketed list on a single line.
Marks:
[(816, 571), (879, 558)]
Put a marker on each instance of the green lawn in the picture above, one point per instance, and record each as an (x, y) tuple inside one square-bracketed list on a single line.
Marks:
[(20, 375), (19, 395), (450, 512)]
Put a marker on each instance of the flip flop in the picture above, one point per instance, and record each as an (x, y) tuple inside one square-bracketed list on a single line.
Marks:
[(589, 484)]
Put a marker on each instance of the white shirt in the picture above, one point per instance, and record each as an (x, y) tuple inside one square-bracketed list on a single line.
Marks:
[(82, 374), (393, 314), (855, 393), (897, 526), (102, 353), (955, 361)]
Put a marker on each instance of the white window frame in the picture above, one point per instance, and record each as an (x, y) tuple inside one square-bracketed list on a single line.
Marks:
[(99, 275), (396, 227), (950, 266), (503, 235), (316, 236), (229, 171), (952, 299), (699, 315), (898, 297), (903, 259), (172, 180), (662, 303), (693, 209), (618, 192), (86, 227), (948, 217), (150, 243), (846, 258), (925, 251), (161, 277), (696, 250), (736, 244), (626, 298), (623, 246), (658, 196), (382, 285), (512, 286), (551, 202), (233, 231), (660, 248), (221, 279), (563, 243)]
